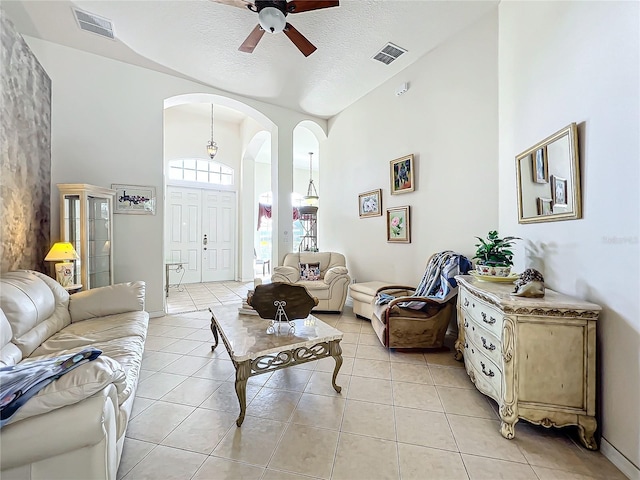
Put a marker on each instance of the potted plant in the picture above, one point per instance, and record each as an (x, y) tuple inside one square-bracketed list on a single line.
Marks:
[(494, 255)]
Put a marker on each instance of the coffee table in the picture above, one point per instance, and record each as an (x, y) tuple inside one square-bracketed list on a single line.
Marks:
[(253, 351)]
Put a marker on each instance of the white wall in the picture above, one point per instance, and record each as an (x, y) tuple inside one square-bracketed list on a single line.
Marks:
[(448, 120), (107, 127), (563, 62)]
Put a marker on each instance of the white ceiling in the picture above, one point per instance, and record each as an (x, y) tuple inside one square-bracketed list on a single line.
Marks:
[(199, 40)]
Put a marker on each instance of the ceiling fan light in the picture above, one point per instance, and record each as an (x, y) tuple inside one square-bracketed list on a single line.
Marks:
[(271, 20)]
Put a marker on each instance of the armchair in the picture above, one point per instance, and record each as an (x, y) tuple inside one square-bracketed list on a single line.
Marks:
[(323, 274)]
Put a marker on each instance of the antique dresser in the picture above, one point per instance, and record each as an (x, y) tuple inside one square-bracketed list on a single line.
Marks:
[(536, 357)]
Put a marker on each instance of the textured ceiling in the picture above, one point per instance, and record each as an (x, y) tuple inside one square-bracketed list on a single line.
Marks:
[(199, 40)]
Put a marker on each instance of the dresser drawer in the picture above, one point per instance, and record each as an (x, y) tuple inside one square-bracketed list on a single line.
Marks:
[(482, 313), (484, 340), (486, 374)]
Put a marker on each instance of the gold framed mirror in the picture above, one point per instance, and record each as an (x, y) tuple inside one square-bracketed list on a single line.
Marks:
[(548, 179)]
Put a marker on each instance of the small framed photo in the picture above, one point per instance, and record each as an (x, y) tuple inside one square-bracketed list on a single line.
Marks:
[(402, 175), (544, 206), (398, 225), (370, 203), (135, 199), (559, 191), (540, 166)]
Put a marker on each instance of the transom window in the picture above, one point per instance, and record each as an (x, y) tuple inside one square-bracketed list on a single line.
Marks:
[(202, 171)]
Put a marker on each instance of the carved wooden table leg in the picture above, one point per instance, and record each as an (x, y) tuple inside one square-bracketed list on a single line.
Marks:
[(509, 419), (335, 350), (214, 330), (243, 372), (586, 428)]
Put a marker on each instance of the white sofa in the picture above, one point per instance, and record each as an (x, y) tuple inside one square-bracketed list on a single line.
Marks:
[(73, 428), (330, 289)]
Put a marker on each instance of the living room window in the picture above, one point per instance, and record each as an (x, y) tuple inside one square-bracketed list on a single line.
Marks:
[(202, 171)]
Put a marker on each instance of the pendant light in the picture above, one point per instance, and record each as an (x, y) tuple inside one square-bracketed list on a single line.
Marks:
[(212, 147), (311, 198)]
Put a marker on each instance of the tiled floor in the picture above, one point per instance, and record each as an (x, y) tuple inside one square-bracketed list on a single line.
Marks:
[(200, 296), (400, 416)]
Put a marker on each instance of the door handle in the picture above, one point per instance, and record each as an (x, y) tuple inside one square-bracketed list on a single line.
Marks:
[(205, 240)]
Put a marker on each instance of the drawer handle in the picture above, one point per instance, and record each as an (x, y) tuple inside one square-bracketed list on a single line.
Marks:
[(466, 302), (491, 320), (466, 345), (489, 373), (466, 324), (491, 346)]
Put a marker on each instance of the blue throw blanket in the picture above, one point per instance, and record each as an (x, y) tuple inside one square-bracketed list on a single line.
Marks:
[(18, 383), (438, 282)]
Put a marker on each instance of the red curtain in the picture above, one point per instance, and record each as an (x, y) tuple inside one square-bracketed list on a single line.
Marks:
[(264, 210)]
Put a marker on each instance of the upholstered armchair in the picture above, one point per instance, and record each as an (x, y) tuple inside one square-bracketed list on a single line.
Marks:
[(324, 274)]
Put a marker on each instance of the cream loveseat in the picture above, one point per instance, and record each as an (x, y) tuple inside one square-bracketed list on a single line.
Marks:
[(330, 288), (73, 428)]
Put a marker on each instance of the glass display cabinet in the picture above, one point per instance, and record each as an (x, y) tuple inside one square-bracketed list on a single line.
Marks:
[(86, 221)]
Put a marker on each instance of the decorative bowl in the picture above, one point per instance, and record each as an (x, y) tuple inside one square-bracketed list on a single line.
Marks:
[(490, 270)]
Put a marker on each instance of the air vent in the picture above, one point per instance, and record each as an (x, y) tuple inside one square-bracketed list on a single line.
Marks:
[(389, 53), (94, 24)]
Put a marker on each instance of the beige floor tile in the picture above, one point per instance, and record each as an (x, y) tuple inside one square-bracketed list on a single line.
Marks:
[(483, 468), (348, 327), (420, 463), (350, 337), (363, 458), (306, 450), (253, 443), (371, 368), (544, 473), (181, 332), (226, 399), (201, 431), (193, 391), (156, 330), (328, 365), (406, 357), (410, 372), (372, 352), (370, 390), (144, 374), (460, 401), (415, 395), (369, 339), (480, 436), (221, 468), (157, 421), (445, 359), (274, 404), (167, 463), (132, 452), (427, 429), (599, 465), (182, 346), (320, 384), (348, 349), (370, 419), (217, 369), (319, 411), (271, 474), (158, 385), (450, 377), (140, 404), (293, 379), (185, 365), (156, 361)]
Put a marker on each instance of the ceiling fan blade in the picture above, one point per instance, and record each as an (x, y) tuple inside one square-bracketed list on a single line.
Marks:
[(235, 3), (297, 6), (299, 40), (252, 40)]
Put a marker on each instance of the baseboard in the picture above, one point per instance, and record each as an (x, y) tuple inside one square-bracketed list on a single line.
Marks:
[(619, 460), (156, 314)]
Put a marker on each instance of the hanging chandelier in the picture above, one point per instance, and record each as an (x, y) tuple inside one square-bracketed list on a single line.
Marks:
[(212, 147), (311, 198)]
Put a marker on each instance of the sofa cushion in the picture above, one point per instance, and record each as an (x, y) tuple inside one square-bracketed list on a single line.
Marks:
[(310, 271), (9, 353), (113, 299), (74, 386), (36, 307)]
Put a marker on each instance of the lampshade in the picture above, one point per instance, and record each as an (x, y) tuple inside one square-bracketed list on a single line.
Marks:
[(60, 252), (271, 20)]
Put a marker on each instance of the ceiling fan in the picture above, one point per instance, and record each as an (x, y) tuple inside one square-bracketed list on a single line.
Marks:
[(271, 18)]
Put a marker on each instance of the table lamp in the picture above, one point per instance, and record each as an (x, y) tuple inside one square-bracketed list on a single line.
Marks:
[(62, 252)]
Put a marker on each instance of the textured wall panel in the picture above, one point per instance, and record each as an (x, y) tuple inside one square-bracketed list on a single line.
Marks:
[(25, 161)]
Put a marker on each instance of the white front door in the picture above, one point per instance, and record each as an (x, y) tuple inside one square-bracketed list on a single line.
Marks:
[(201, 233)]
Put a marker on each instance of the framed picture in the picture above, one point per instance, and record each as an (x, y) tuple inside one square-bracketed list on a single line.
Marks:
[(370, 203), (402, 175), (540, 166), (135, 199), (398, 225), (544, 206), (559, 191)]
